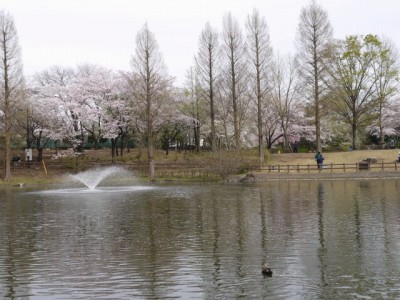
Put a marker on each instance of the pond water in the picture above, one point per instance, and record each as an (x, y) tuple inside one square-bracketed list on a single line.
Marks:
[(323, 240)]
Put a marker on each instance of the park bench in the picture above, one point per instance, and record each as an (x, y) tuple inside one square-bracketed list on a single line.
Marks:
[(366, 163)]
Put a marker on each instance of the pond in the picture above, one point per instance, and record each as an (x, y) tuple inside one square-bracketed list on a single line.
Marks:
[(323, 240)]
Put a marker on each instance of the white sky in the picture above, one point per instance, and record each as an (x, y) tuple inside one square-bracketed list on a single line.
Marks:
[(70, 32)]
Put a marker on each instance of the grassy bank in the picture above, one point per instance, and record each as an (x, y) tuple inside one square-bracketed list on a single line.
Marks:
[(193, 165), (348, 157)]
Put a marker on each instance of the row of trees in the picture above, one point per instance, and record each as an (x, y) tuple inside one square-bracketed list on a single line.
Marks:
[(93, 101), (65, 104), (238, 92), (327, 84)]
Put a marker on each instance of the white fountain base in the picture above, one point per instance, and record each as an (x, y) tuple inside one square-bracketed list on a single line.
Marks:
[(117, 189)]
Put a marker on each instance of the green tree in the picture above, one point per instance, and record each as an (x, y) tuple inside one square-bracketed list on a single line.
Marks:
[(353, 80)]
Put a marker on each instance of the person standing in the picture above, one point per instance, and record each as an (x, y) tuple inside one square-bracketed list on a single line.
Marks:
[(320, 160), (295, 146)]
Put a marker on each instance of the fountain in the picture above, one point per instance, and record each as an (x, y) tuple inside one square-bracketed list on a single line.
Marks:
[(92, 178)]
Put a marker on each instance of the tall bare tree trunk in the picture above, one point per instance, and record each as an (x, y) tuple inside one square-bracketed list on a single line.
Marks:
[(207, 60), (317, 104), (6, 107), (260, 52), (151, 86), (380, 123), (354, 134), (150, 156), (314, 33), (11, 80), (234, 73)]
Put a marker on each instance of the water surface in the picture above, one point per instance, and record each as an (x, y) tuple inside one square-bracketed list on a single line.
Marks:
[(323, 240)]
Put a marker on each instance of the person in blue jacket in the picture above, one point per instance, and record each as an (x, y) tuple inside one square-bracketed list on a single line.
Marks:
[(320, 159)]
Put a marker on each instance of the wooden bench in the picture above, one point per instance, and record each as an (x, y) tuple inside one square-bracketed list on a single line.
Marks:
[(364, 165)]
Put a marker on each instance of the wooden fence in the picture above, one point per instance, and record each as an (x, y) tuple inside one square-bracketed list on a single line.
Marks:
[(191, 170), (333, 168)]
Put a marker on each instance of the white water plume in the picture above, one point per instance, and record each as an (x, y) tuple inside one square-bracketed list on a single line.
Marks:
[(93, 177)]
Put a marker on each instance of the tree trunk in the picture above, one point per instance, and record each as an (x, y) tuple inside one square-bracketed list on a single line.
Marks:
[(7, 120), (7, 144), (150, 156), (212, 116), (316, 102), (122, 144), (196, 132), (40, 154), (259, 115), (354, 134), (113, 149), (285, 138), (234, 103), (381, 135)]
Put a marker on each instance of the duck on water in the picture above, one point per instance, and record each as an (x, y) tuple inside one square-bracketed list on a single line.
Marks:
[(265, 270)]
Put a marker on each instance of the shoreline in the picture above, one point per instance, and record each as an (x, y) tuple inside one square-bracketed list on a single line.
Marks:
[(251, 177), (263, 177)]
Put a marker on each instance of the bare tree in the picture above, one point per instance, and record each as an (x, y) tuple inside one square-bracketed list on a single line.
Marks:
[(195, 105), (224, 119), (314, 33), (234, 74), (11, 82), (285, 94), (260, 53), (151, 87), (207, 61), (271, 126)]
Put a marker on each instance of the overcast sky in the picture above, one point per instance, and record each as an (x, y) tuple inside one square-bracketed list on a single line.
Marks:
[(70, 32)]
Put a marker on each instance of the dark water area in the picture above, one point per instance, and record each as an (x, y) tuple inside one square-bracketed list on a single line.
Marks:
[(323, 240)]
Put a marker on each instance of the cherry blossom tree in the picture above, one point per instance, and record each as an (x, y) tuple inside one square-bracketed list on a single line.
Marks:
[(117, 120), (55, 91), (385, 68), (97, 92), (176, 129), (37, 123), (89, 101), (388, 121)]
